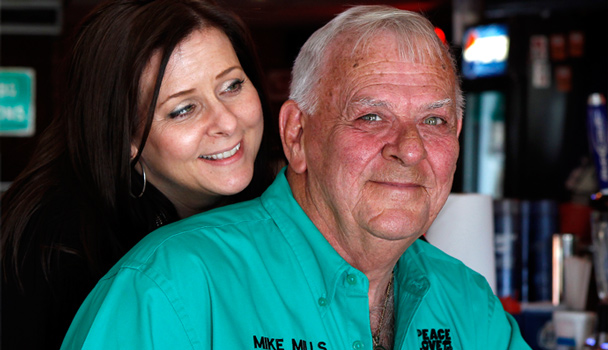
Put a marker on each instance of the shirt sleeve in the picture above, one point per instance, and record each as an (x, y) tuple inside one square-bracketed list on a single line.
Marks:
[(503, 332), (130, 310)]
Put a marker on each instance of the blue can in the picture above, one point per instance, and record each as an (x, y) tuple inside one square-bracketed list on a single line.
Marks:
[(597, 130), (507, 241), (543, 224)]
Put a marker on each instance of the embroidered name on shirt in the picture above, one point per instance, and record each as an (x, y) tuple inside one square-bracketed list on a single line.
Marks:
[(435, 339), (279, 344)]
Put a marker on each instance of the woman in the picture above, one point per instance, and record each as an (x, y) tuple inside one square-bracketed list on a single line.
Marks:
[(161, 120)]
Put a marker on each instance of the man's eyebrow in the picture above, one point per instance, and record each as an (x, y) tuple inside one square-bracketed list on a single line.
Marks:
[(439, 104), (371, 102)]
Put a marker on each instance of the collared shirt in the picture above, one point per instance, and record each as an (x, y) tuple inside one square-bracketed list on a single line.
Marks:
[(259, 275)]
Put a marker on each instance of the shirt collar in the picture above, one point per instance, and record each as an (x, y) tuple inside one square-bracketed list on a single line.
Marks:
[(318, 258), (320, 262), (410, 273)]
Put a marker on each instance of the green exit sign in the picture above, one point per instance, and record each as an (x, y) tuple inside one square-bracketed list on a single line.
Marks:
[(17, 108)]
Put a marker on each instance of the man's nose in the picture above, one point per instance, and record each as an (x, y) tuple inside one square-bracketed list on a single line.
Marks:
[(405, 146)]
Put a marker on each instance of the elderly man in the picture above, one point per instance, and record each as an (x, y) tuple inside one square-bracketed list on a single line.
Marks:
[(329, 256)]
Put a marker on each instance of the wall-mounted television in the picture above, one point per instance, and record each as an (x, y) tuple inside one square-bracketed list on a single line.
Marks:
[(485, 51)]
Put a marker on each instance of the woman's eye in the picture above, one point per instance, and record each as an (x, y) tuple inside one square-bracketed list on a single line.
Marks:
[(235, 86), (371, 117), (434, 121), (182, 111)]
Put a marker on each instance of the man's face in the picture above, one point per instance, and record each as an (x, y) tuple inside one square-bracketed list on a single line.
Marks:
[(381, 149)]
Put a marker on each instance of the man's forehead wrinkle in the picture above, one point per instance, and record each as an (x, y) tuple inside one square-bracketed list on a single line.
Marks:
[(415, 48), (386, 67), (355, 80), (355, 70)]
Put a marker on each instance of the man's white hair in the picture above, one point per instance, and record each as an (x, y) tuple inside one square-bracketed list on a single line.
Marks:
[(417, 42)]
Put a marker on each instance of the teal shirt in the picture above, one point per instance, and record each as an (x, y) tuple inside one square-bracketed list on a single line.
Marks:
[(259, 275)]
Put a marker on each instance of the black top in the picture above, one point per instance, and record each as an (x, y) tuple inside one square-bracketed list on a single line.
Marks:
[(37, 314)]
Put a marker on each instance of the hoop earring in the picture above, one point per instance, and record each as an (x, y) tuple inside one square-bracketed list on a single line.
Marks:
[(143, 189)]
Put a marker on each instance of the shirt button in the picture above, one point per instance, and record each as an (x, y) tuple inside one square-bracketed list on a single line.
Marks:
[(424, 284), (420, 285), (351, 278), (322, 301), (357, 345)]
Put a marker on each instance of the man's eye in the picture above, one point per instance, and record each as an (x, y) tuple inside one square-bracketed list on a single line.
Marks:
[(434, 121), (182, 111), (371, 117)]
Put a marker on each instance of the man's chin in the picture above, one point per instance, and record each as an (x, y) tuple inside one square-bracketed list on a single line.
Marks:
[(397, 224)]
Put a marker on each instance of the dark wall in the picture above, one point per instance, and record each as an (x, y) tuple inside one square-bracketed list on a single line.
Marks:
[(539, 159), (279, 29), (45, 54)]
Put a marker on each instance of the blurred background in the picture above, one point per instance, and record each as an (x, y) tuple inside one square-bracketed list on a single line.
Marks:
[(528, 68), (535, 97)]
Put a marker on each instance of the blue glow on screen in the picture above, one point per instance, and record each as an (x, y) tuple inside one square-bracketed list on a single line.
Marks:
[(485, 51)]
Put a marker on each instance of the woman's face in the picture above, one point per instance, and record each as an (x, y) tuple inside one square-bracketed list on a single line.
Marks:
[(207, 125)]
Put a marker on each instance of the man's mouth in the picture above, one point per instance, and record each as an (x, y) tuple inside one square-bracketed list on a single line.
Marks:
[(222, 155)]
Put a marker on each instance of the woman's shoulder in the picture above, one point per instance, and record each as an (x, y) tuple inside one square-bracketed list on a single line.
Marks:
[(50, 246), (43, 292), (52, 227)]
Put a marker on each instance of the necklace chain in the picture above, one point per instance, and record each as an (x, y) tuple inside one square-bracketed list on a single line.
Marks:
[(376, 338)]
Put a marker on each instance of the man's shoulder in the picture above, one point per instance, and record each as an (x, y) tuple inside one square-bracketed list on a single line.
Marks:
[(427, 252), (200, 239), (234, 215), (442, 266)]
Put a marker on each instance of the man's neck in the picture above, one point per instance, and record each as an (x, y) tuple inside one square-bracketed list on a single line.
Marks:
[(382, 321), (373, 256)]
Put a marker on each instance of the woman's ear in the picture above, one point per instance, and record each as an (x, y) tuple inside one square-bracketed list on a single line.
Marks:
[(133, 150), (290, 127)]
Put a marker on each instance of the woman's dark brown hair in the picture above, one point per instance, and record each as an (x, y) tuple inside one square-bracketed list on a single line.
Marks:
[(84, 157)]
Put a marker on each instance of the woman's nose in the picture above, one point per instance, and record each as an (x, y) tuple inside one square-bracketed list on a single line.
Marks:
[(223, 120)]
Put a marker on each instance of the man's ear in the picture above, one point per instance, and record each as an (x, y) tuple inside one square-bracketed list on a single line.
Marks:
[(290, 126), (458, 126)]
